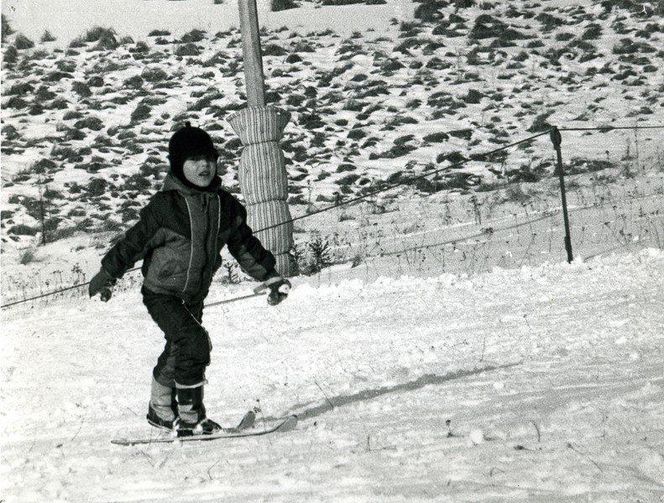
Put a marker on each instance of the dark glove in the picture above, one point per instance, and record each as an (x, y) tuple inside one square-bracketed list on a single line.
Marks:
[(101, 283), (279, 288)]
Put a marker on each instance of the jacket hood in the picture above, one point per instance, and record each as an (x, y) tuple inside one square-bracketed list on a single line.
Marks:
[(172, 182)]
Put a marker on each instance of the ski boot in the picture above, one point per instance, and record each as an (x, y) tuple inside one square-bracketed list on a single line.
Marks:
[(162, 409), (191, 418)]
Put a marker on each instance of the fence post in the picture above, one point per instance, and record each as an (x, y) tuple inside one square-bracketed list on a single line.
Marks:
[(557, 139), (42, 210)]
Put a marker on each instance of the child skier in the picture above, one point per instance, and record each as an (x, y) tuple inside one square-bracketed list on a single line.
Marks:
[(179, 236)]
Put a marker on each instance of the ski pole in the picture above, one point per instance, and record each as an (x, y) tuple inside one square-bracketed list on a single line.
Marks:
[(258, 292)]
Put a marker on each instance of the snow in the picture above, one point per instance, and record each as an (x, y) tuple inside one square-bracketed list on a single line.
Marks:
[(67, 19), (550, 377)]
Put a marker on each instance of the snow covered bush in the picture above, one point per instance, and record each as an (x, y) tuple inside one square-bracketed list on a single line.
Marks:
[(11, 55), (188, 49), (23, 230), (134, 82), (193, 36), (549, 21), (274, 50), (279, 5), (487, 26), (592, 32), (629, 46), (107, 42), (91, 122), (19, 88), (6, 28), (96, 33), (313, 256), (47, 37), (81, 88), (95, 81), (429, 11), (96, 187), (347, 180), (76, 44), (136, 182), (153, 74), (140, 113), (10, 132), (21, 42), (44, 165)]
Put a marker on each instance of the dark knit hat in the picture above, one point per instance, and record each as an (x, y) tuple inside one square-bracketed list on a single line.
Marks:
[(187, 142)]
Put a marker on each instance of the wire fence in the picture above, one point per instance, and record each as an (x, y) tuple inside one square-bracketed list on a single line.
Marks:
[(610, 208)]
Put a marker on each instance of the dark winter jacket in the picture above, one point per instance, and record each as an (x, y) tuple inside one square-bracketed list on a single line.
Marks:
[(180, 235)]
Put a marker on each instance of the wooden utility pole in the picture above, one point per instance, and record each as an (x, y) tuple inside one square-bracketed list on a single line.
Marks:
[(262, 171), (251, 53)]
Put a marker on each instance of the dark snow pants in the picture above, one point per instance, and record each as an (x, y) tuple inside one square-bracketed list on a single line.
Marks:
[(188, 345)]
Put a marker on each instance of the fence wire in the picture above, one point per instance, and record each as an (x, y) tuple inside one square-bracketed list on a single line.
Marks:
[(476, 236)]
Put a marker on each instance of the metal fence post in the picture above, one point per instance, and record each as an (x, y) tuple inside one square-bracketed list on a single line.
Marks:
[(557, 139)]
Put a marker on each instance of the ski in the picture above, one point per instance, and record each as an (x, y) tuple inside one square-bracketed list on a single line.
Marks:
[(244, 429)]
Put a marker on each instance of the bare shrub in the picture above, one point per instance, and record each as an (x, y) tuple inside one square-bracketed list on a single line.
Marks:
[(189, 49), (140, 113), (274, 50), (313, 256), (82, 89), (153, 74), (47, 37), (11, 55), (193, 36), (93, 123), (23, 230), (19, 88), (6, 28), (27, 256), (279, 5)]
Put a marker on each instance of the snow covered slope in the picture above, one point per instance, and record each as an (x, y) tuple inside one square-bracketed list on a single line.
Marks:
[(66, 19), (551, 378), (85, 126)]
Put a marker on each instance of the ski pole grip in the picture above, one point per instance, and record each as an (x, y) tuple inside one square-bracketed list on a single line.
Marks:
[(260, 288), (267, 283)]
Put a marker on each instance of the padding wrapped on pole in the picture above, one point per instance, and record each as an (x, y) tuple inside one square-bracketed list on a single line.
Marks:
[(263, 180)]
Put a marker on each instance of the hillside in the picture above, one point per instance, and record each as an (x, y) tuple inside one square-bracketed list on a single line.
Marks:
[(85, 126)]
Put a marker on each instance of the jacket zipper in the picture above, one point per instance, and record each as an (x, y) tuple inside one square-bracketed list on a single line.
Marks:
[(216, 239), (191, 250)]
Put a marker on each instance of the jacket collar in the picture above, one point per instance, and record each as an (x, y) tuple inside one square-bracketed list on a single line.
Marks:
[(173, 183)]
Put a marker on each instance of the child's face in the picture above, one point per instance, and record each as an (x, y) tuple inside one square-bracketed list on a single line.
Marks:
[(200, 170)]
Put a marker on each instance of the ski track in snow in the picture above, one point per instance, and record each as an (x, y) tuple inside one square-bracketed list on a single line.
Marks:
[(551, 377)]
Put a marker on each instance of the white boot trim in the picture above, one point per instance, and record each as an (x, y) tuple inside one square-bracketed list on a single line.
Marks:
[(191, 386)]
